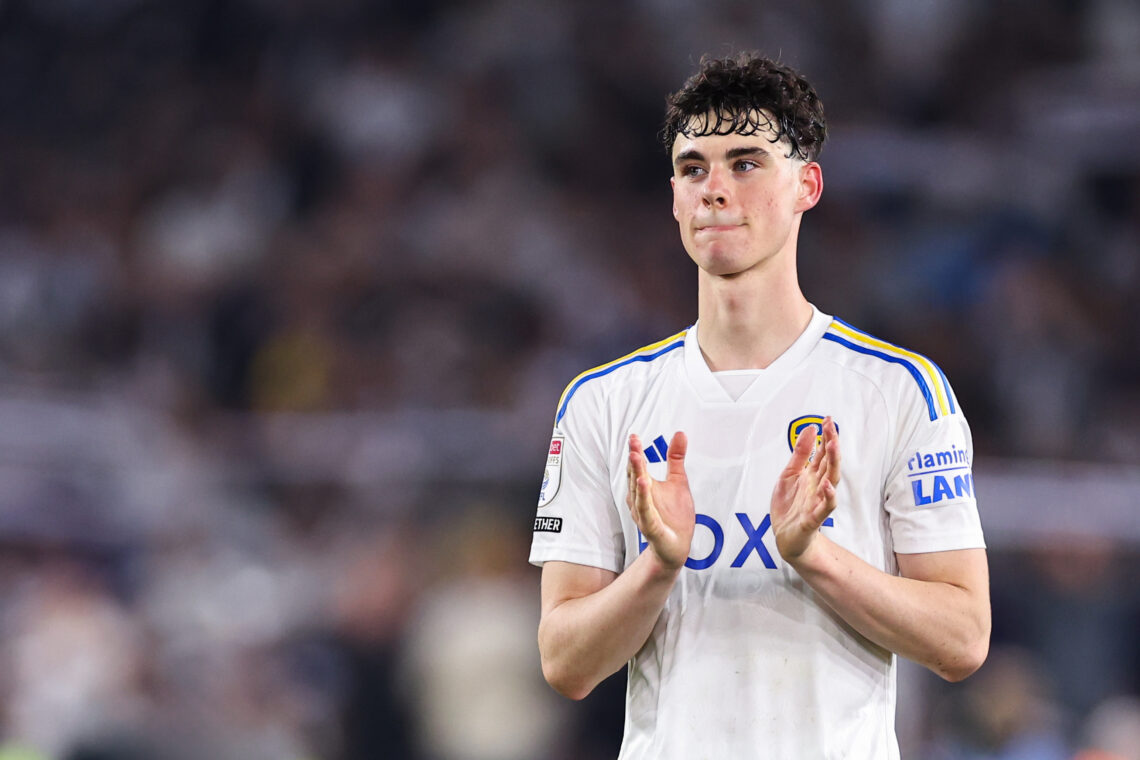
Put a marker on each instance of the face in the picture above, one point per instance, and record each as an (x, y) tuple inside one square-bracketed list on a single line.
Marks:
[(738, 199)]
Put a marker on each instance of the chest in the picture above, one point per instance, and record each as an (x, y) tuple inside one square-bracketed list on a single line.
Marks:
[(737, 451)]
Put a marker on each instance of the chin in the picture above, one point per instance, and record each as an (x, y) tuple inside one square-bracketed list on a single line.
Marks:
[(723, 263), (721, 269), (715, 261)]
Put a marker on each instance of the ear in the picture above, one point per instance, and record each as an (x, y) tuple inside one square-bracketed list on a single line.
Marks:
[(673, 186), (811, 186)]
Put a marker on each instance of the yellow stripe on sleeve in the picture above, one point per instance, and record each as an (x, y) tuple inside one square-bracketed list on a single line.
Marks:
[(920, 360)]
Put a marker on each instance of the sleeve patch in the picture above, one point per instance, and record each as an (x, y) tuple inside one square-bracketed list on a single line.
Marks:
[(937, 476), (552, 477), (548, 525)]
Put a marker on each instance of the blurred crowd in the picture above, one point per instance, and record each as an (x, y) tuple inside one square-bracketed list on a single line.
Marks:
[(289, 289)]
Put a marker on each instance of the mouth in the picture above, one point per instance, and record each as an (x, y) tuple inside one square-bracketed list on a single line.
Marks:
[(718, 227)]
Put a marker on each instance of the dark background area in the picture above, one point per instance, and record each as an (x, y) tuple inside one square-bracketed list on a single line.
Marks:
[(289, 290)]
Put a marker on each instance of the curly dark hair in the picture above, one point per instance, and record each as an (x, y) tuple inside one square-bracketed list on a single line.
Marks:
[(738, 95)]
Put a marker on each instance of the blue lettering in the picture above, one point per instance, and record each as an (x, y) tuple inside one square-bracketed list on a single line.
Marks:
[(963, 486), (718, 544), (755, 542), (920, 499)]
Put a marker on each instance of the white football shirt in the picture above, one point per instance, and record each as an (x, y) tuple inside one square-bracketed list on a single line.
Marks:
[(745, 661)]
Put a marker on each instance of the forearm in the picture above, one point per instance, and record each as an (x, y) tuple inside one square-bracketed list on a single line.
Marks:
[(583, 640), (942, 625)]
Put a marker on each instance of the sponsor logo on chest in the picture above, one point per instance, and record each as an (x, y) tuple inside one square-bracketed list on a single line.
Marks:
[(753, 542)]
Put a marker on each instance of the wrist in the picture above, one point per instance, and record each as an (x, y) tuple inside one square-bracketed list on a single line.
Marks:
[(661, 567), (811, 560)]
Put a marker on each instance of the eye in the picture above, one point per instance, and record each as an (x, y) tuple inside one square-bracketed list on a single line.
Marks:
[(745, 165), (692, 170)]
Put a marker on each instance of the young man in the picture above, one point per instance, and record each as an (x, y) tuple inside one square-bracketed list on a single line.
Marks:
[(758, 586)]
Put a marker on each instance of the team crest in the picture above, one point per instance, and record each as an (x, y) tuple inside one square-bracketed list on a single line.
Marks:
[(808, 420), (552, 478)]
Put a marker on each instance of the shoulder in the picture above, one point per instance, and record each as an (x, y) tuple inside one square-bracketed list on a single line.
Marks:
[(900, 374), (642, 362)]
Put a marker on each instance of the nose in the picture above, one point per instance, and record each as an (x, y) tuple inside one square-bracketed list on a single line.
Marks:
[(715, 192)]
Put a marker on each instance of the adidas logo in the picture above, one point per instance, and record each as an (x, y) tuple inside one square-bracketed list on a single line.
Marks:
[(658, 450)]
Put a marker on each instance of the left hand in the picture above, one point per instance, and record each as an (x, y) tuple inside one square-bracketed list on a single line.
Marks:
[(804, 495)]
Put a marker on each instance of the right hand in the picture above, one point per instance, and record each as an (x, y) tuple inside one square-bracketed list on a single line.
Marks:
[(662, 509), (804, 495)]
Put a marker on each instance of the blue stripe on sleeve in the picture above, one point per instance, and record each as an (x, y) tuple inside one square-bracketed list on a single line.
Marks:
[(610, 368), (914, 371), (941, 374)]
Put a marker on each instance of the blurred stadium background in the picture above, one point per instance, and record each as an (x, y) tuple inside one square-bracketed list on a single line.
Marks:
[(289, 289)]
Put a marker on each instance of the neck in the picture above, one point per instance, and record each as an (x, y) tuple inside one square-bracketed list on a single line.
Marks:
[(750, 319)]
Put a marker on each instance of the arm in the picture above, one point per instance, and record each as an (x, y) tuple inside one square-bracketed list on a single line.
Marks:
[(594, 620), (937, 613)]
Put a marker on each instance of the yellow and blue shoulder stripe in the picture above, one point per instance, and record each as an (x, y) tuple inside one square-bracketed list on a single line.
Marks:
[(930, 378), (643, 354)]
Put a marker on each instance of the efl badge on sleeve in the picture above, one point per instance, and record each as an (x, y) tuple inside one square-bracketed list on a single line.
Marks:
[(553, 475)]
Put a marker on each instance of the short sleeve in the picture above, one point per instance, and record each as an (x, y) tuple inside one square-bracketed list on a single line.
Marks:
[(930, 488), (577, 520)]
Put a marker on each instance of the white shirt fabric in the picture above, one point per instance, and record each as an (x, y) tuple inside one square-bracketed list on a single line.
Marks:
[(736, 381), (745, 661)]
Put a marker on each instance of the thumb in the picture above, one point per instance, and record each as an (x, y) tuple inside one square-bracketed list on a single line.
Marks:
[(678, 447)]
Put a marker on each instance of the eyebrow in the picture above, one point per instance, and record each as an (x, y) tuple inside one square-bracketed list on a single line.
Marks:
[(695, 155)]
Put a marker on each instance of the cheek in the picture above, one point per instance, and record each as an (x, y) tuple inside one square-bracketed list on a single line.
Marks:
[(680, 197), (772, 204), (682, 208)]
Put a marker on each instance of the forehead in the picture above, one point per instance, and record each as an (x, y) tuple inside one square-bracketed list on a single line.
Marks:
[(713, 147), (716, 132)]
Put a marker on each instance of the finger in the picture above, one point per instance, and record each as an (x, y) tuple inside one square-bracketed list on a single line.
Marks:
[(639, 498), (678, 447), (819, 458), (630, 482), (640, 486), (637, 460), (631, 470), (644, 511), (800, 454), (826, 503), (638, 491), (831, 441)]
